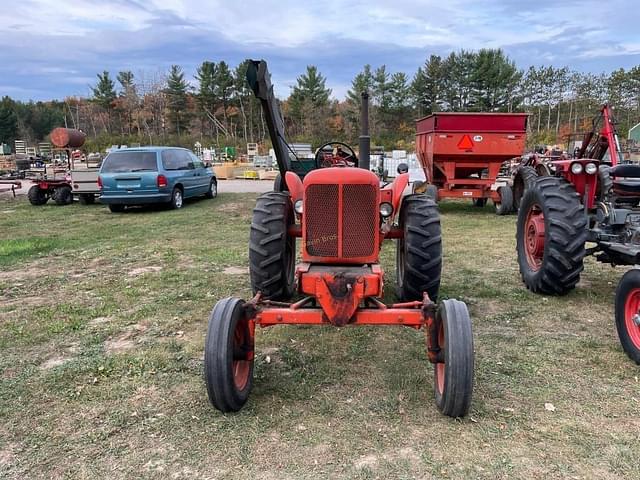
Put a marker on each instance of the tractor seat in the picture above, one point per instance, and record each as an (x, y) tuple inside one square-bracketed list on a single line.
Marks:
[(625, 171), (626, 180)]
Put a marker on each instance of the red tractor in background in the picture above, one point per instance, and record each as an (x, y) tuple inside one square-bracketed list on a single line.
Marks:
[(590, 198), (342, 215)]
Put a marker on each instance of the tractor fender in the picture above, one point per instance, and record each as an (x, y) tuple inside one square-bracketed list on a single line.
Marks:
[(395, 190), (294, 184)]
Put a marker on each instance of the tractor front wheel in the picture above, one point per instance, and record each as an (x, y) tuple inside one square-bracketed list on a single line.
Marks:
[(453, 378), (228, 356), (550, 237), (505, 205), (419, 251), (272, 251), (628, 314)]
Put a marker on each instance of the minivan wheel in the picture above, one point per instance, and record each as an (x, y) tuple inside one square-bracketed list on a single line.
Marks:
[(116, 208), (176, 198), (213, 190)]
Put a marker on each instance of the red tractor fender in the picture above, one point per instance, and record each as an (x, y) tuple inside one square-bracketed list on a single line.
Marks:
[(294, 184), (392, 193)]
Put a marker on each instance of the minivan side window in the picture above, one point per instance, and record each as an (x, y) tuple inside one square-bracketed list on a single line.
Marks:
[(175, 160), (197, 163)]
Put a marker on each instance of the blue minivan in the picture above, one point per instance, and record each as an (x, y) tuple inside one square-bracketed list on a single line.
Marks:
[(140, 176)]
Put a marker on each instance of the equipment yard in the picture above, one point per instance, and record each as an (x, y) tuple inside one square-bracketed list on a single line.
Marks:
[(101, 374)]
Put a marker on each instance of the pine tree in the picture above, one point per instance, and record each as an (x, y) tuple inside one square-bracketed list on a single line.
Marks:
[(224, 85), (104, 92), (176, 92), (363, 81), (427, 85), (494, 81), (8, 121), (311, 87), (207, 95)]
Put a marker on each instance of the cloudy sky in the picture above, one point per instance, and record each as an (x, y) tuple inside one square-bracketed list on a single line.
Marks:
[(52, 49)]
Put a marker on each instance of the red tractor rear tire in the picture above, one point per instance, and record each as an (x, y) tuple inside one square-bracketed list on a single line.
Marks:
[(228, 356), (628, 314), (272, 252), (453, 379), (419, 252), (550, 237)]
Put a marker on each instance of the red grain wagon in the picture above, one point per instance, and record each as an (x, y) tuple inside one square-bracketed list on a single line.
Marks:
[(461, 154)]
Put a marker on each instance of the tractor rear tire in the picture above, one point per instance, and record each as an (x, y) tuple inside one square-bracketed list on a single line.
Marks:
[(279, 184), (525, 177), (505, 205), (432, 192), (37, 196), (627, 311), (228, 356), (272, 251), (453, 379), (63, 195), (87, 198), (550, 237), (419, 252)]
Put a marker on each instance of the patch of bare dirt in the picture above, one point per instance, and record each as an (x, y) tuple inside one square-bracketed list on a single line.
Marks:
[(34, 301), (236, 270), (231, 207), (125, 341), (142, 270), (99, 321), (8, 454), (23, 273), (54, 362)]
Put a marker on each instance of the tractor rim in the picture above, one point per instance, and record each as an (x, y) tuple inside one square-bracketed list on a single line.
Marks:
[(241, 367), (534, 237), (631, 311), (440, 367)]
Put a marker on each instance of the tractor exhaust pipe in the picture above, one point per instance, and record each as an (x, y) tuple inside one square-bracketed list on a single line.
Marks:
[(365, 139)]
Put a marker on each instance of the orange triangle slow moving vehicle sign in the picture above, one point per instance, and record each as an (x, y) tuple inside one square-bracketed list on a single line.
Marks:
[(465, 143)]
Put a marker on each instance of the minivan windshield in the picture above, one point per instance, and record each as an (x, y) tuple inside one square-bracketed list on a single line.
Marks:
[(125, 162)]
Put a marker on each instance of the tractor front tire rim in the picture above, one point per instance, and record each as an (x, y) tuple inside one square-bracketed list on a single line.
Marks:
[(534, 237), (440, 367), (631, 313), (240, 366)]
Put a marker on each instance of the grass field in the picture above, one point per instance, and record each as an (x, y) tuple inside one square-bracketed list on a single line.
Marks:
[(102, 323)]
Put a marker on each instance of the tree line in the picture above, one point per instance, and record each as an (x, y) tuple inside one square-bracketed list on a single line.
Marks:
[(217, 107)]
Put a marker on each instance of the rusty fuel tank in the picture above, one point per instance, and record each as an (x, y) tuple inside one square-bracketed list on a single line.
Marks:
[(67, 137)]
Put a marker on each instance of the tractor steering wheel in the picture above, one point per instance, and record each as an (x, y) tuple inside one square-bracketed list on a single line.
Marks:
[(340, 155)]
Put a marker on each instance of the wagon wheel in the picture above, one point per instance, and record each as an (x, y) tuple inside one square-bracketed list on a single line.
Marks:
[(628, 314), (228, 356), (453, 378), (505, 205)]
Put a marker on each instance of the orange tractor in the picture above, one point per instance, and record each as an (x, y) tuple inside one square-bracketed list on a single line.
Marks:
[(592, 198), (342, 216)]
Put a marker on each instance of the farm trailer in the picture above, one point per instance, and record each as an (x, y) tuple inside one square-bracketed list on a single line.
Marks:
[(462, 153)]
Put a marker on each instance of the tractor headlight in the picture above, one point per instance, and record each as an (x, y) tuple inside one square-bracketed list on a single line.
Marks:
[(386, 209), (298, 207), (576, 168), (590, 168)]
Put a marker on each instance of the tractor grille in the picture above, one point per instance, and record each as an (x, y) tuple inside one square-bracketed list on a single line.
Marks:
[(359, 220), (321, 213)]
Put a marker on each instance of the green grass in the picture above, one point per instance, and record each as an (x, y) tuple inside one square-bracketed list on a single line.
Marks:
[(103, 318)]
